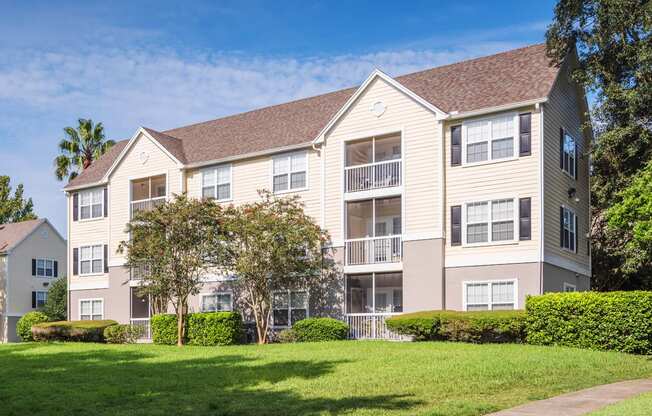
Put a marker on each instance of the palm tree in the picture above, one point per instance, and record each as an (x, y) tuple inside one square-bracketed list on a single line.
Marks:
[(80, 148)]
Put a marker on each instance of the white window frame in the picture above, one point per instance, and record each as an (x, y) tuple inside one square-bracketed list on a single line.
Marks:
[(289, 293), (213, 171), (205, 295), (490, 294), (573, 232), (515, 136), (79, 260), (90, 206), (91, 300), (567, 169), (569, 286), (45, 298), (45, 268), (490, 222), (289, 173)]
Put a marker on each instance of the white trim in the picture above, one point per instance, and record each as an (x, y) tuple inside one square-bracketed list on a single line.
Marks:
[(45, 268), (423, 235), (289, 293), (375, 74), (44, 301), (213, 169), (567, 264), (575, 235), (244, 156), (465, 283), (205, 294), (79, 260), (90, 206), (90, 300), (374, 193), (454, 115), (374, 268), (489, 202), (491, 139), (542, 187), (491, 259), (569, 285), (289, 173), (574, 177), (442, 175)]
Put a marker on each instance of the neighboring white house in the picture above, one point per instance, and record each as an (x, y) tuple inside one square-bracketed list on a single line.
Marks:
[(32, 256)]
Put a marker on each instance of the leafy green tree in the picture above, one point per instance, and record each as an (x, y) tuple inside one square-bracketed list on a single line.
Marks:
[(176, 244), (273, 246), (80, 148), (56, 307), (14, 208), (613, 39)]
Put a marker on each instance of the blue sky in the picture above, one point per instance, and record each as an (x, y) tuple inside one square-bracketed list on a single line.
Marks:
[(165, 64)]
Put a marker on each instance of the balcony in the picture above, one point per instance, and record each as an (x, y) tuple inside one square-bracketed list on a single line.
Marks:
[(147, 193), (145, 205), (370, 176), (374, 250)]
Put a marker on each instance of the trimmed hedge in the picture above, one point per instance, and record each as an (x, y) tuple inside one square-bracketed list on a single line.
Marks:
[(25, 323), (474, 327), (620, 321), (79, 331), (122, 334), (206, 328), (320, 329)]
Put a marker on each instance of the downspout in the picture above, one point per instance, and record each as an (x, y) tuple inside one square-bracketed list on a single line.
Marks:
[(541, 197)]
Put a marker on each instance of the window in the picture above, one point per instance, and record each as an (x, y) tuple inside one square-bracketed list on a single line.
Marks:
[(569, 155), (91, 204), (41, 298), (486, 296), (289, 307), (44, 268), (374, 293), (490, 139), (569, 229), (569, 287), (91, 259), (216, 183), (490, 221), (148, 188), (216, 302), (91, 309), (289, 172)]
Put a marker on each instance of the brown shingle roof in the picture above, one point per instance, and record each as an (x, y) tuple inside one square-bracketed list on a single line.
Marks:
[(509, 77), (12, 234)]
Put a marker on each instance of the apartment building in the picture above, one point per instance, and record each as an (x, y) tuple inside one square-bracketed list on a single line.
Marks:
[(32, 256), (460, 187)]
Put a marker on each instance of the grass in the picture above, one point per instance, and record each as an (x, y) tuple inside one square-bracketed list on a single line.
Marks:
[(636, 406), (333, 378)]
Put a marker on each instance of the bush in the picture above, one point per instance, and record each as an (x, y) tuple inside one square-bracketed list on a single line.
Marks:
[(476, 327), (207, 328), (287, 336), (79, 331), (25, 323), (620, 321), (122, 334), (320, 329), (214, 328), (56, 305)]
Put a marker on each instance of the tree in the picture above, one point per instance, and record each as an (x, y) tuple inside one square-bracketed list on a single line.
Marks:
[(176, 243), (274, 245), (613, 39), (14, 208), (80, 148), (56, 306)]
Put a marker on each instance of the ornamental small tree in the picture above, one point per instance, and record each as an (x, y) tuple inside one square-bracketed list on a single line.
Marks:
[(274, 245), (56, 306), (176, 244)]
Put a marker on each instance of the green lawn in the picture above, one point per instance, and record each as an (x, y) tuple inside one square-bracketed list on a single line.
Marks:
[(348, 377), (637, 406)]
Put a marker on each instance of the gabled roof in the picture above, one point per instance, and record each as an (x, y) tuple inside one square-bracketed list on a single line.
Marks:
[(12, 234), (516, 76)]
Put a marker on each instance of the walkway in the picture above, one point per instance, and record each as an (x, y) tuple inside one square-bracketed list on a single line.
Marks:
[(581, 402)]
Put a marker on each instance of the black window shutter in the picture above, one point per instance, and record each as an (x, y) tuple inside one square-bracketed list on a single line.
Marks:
[(525, 134), (456, 145), (56, 268), (75, 206), (75, 261), (33, 267), (106, 258), (33, 300), (456, 225), (525, 221), (561, 148), (561, 227), (106, 201)]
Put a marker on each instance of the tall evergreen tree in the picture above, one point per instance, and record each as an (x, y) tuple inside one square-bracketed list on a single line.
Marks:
[(14, 208)]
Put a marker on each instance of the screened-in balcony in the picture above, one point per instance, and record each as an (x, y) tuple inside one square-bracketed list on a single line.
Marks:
[(373, 163), (147, 193), (373, 231)]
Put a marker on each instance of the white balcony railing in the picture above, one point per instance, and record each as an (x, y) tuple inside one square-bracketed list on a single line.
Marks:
[(371, 326), (377, 175), (145, 205), (374, 250), (146, 331)]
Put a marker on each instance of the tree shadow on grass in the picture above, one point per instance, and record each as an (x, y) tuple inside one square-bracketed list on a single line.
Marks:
[(121, 381)]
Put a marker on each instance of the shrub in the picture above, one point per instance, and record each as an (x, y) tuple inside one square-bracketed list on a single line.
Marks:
[(164, 329), (25, 323), (286, 336), (79, 331), (475, 327), (56, 305), (620, 321), (214, 328), (320, 329), (122, 334)]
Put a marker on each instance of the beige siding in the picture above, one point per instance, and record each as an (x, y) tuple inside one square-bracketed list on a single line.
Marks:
[(564, 109), (517, 178), (421, 152)]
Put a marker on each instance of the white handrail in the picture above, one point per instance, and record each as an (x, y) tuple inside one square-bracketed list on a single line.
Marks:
[(373, 164), (378, 175), (373, 250)]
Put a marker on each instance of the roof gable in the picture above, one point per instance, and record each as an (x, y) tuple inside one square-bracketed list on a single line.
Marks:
[(13, 234)]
